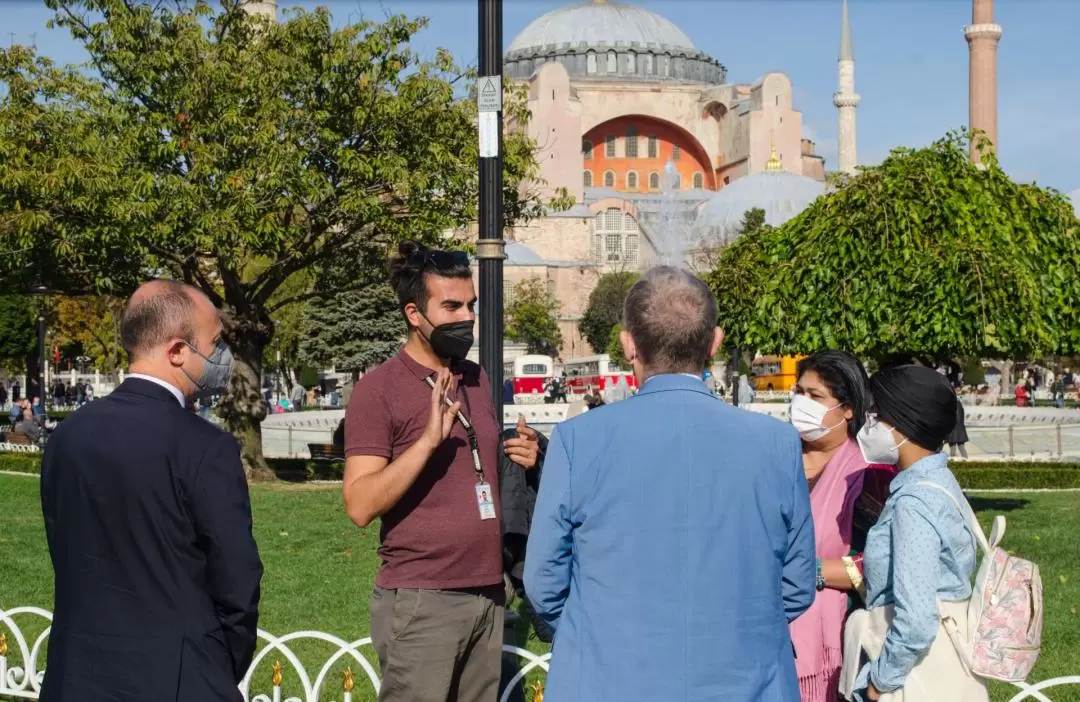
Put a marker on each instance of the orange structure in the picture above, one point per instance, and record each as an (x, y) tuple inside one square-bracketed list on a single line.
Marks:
[(629, 154)]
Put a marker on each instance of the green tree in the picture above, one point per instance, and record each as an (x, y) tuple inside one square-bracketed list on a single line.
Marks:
[(615, 349), (232, 153), (532, 318), (605, 308), (18, 334), (353, 331), (924, 255)]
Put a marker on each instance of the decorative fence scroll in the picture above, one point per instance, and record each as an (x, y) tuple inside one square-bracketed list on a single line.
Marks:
[(22, 665), (24, 632)]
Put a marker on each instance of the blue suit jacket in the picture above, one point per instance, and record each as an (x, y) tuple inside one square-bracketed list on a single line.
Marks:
[(157, 574), (671, 545)]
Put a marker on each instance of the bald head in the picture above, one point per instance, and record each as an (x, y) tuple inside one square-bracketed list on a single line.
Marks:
[(158, 312), (671, 317)]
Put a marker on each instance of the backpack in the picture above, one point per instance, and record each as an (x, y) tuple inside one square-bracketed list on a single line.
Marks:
[(1005, 611)]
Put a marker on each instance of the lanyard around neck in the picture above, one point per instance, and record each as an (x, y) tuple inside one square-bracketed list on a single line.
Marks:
[(474, 443)]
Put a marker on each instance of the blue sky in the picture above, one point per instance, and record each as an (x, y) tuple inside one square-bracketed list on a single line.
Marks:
[(911, 63)]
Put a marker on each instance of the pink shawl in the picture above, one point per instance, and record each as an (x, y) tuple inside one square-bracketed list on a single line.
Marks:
[(817, 633)]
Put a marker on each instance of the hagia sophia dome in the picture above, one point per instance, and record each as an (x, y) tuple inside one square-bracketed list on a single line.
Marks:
[(781, 195), (581, 36)]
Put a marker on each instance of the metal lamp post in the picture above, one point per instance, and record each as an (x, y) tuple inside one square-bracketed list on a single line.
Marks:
[(40, 291), (490, 244)]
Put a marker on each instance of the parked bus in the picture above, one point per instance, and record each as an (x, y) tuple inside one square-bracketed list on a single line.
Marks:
[(774, 373), (597, 371), (528, 373)]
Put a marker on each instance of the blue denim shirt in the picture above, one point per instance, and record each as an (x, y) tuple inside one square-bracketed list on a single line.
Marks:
[(919, 551)]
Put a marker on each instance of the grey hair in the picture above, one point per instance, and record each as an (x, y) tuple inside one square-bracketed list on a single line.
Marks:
[(671, 316), (153, 319)]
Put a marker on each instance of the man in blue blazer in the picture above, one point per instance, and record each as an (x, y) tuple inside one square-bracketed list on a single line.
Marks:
[(672, 540), (149, 523)]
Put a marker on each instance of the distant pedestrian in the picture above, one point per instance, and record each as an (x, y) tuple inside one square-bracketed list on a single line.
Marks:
[(958, 436)]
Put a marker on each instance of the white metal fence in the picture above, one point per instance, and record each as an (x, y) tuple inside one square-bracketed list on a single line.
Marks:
[(22, 666)]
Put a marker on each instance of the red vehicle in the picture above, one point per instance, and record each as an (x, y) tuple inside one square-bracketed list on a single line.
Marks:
[(596, 371), (529, 373)]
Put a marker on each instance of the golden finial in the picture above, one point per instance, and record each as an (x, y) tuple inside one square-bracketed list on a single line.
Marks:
[(348, 684), (538, 692), (3, 644), (773, 163), (277, 674)]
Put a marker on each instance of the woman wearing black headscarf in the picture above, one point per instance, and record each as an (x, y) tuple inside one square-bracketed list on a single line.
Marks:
[(919, 555)]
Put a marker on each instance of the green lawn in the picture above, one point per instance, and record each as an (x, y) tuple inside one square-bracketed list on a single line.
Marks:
[(320, 569)]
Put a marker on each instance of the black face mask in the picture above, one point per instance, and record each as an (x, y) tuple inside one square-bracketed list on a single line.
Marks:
[(452, 340)]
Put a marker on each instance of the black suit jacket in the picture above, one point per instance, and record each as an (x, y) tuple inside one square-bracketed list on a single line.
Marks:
[(148, 520)]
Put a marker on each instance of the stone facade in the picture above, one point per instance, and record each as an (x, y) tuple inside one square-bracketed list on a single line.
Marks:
[(642, 129)]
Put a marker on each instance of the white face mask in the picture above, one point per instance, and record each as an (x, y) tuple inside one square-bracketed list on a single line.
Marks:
[(877, 443), (808, 417)]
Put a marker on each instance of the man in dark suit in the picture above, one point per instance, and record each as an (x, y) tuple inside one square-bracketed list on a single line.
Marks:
[(149, 523)]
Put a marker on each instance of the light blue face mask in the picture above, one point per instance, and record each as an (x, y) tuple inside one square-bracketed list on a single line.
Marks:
[(216, 371)]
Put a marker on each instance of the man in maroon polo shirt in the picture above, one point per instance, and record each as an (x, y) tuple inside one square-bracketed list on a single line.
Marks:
[(422, 451)]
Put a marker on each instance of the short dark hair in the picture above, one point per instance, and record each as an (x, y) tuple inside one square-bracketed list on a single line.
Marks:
[(153, 320), (415, 262), (846, 379), (671, 316)]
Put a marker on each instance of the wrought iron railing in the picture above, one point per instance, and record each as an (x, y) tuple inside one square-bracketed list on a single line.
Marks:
[(22, 679)]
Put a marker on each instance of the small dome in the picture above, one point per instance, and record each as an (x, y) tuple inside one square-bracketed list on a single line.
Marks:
[(521, 255), (595, 23), (781, 194)]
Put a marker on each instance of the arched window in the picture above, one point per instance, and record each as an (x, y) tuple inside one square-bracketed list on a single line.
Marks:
[(586, 149), (609, 179), (631, 142), (588, 179), (609, 146), (699, 181), (654, 181), (631, 62), (631, 180), (590, 62), (676, 152), (649, 67), (612, 62), (654, 147)]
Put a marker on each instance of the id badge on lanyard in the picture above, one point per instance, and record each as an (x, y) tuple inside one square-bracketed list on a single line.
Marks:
[(485, 498)]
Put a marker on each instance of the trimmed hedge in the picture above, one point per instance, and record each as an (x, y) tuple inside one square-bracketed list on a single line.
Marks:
[(977, 475), (293, 470)]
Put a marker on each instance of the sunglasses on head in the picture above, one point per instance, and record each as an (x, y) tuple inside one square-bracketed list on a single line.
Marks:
[(440, 260)]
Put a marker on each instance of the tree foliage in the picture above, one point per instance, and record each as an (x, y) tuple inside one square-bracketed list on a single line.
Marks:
[(532, 318), (352, 331), (234, 153), (926, 254), (18, 331), (605, 308), (93, 323), (615, 350)]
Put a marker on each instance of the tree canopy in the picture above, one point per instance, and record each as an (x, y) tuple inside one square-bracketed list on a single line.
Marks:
[(352, 331), (234, 153), (924, 255), (605, 308), (18, 332), (532, 318)]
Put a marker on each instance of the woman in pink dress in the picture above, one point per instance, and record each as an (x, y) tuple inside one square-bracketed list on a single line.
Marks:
[(828, 408)]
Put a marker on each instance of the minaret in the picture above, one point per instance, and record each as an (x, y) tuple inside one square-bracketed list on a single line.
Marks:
[(846, 100), (265, 8), (982, 37)]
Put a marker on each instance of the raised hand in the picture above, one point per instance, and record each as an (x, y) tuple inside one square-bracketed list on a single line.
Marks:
[(525, 449), (442, 417)]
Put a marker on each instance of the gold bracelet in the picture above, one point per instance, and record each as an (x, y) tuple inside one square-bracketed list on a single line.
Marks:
[(853, 573)]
